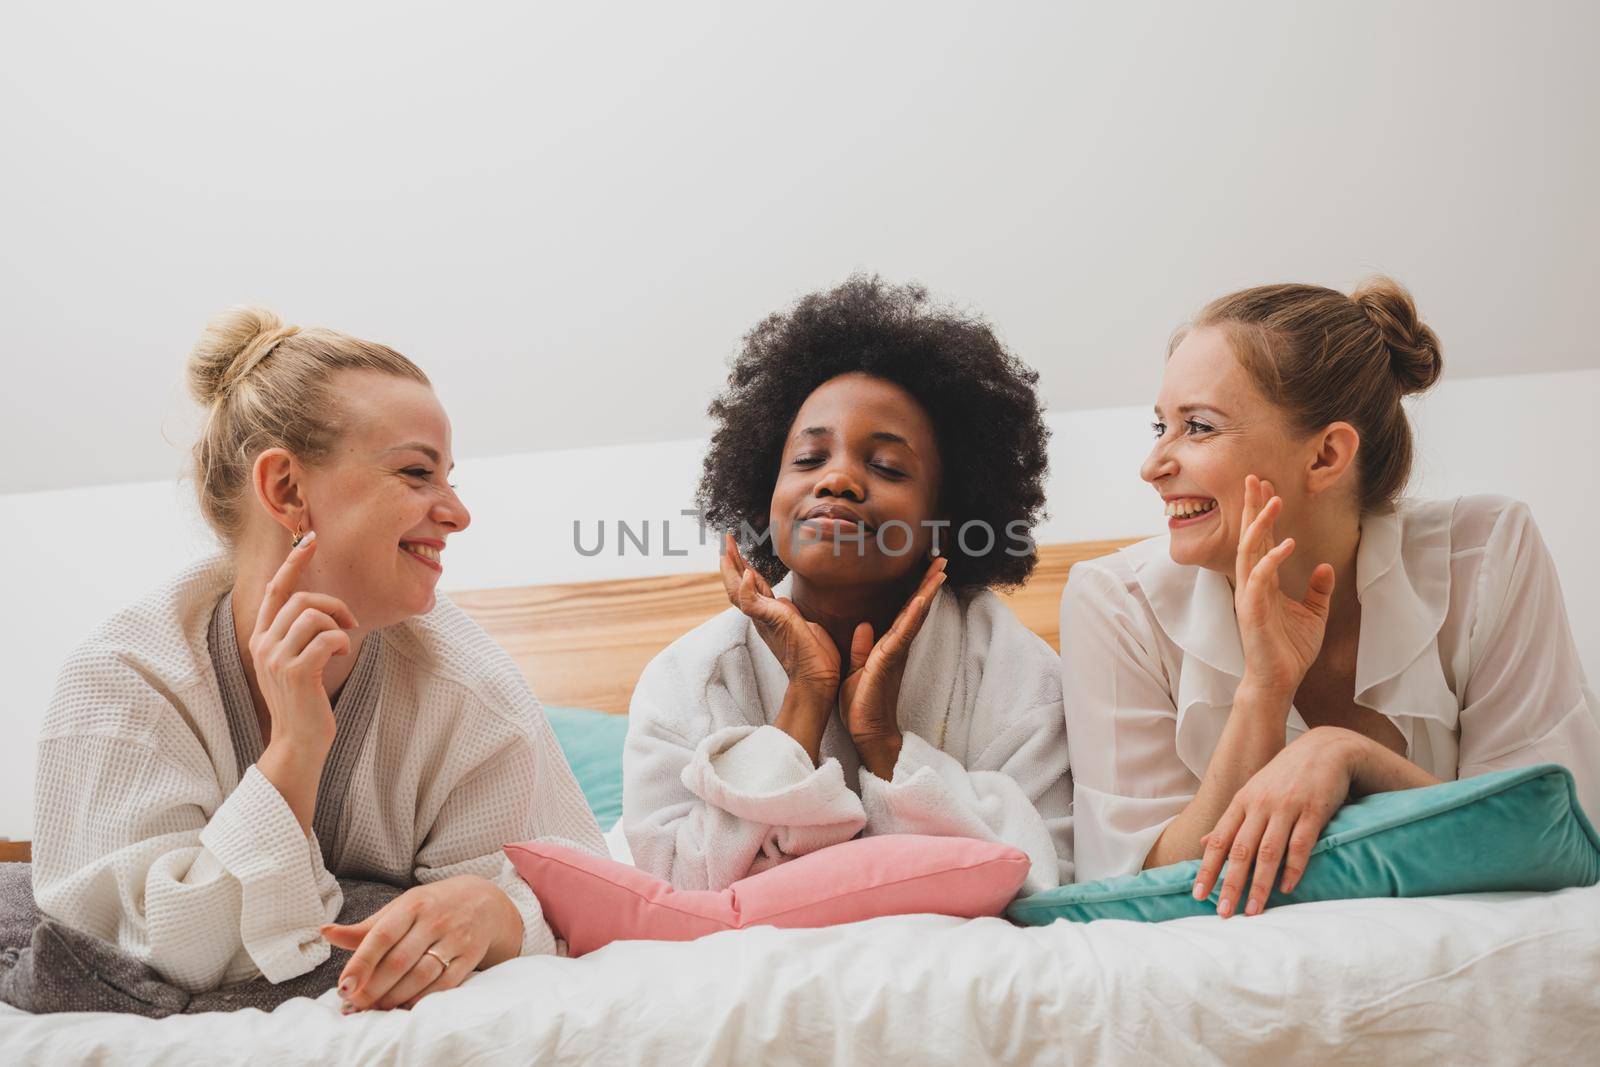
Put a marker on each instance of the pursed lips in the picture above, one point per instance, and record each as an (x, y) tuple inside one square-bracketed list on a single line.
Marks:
[(838, 513)]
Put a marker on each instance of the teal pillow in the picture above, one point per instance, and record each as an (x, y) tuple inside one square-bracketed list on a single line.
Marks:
[(1518, 829), (592, 742)]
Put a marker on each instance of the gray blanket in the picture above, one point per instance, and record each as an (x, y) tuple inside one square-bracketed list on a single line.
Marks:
[(48, 967)]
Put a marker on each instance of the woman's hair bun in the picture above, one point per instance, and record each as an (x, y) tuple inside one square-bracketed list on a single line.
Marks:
[(230, 347), (1415, 359)]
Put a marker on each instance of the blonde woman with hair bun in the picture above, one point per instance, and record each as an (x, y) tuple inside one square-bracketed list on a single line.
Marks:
[(302, 705), (1304, 633)]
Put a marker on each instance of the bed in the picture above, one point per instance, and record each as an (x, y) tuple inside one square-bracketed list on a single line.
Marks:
[(1491, 978)]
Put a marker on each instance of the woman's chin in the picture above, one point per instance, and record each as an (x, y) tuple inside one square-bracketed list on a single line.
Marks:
[(399, 609), (1186, 554), (423, 604), (820, 565)]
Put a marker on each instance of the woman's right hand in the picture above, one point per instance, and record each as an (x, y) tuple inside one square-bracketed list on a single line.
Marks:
[(1281, 636), (808, 655), (296, 634)]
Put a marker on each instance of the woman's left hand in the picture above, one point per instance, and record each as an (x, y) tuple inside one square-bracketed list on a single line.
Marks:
[(870, 693), (428, 938), (1276, 817)]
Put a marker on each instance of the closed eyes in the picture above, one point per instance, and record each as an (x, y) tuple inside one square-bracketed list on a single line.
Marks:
[(812, 461), (424, 474)]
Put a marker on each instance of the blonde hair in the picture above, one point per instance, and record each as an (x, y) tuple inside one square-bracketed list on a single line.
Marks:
[(266, 385), (1323, 357)]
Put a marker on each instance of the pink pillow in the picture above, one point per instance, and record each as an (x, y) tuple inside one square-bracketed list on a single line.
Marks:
[(590, 901)]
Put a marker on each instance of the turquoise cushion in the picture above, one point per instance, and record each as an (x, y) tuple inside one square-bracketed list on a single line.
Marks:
[(592, 741), (1518, 829)]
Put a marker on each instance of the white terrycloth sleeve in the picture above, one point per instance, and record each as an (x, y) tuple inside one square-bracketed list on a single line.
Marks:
[(125, 848), (1001, 771), (1128, 781), (524, 792), (930, 792), (1526, 700), (704, 812)]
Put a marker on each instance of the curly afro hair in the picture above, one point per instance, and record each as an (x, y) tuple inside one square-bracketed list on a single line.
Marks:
[(980, 398)]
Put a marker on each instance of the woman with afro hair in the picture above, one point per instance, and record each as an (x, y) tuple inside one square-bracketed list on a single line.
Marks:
[(878, 463)]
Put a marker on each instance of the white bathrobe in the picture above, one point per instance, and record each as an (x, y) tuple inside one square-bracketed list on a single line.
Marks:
[(713, 792), (148, 836)]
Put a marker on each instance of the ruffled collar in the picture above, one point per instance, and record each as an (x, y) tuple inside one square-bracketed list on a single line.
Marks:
[(1402, 583)]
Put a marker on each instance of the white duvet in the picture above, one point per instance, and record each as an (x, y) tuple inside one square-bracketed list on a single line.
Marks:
[(1494, 978)]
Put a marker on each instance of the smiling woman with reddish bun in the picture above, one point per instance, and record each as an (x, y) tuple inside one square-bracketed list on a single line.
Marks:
[(302, 705), (1304, 633), (880, 460)]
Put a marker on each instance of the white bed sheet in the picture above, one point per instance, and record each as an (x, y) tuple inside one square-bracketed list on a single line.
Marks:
[(1493, 978)]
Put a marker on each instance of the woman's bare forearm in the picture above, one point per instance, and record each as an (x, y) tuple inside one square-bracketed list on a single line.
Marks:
[(1253, 735), (804, 716), (1376, 769), (295, 773)]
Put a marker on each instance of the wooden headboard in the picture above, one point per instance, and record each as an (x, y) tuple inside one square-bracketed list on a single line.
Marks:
[(585, 644)]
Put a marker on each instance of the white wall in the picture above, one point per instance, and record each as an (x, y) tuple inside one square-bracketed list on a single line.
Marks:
[(570, 213), (80, 554), (543, 202)]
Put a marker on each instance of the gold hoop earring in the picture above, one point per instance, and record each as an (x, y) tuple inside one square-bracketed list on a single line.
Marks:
[(298, 537)]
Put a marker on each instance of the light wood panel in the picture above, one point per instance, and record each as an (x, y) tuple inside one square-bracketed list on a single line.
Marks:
[(585, 644), (1038, 604)]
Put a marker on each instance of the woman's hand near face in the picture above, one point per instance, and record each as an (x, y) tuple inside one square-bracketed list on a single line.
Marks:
[(871, 691), (808, 655), (1281, 636), (805, 650), (295, 635), (427, 939)]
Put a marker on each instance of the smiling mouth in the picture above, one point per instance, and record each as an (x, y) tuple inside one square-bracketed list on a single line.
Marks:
[(1190, 507), (426, 553)]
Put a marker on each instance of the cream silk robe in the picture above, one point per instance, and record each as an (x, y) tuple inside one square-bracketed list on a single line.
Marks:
[(1464, 646)]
